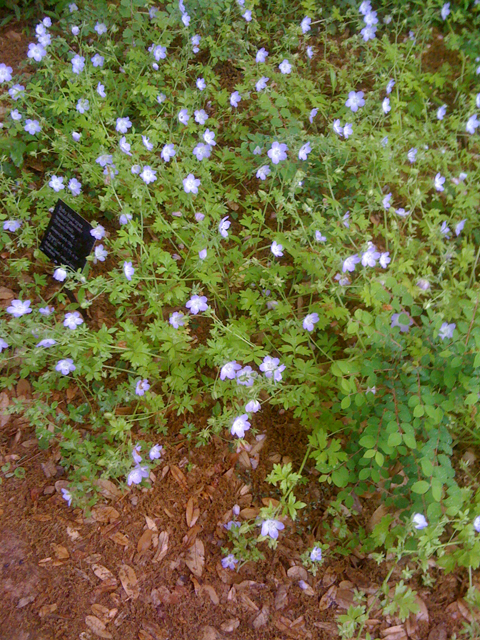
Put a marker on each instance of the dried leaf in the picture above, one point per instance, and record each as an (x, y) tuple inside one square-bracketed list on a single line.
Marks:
[(189, 539), (73, 533), (249, 513), (103, 573), (101, 612), (394, 633), (60, 552), (195, 558), (281, 597), (189, 512), (47, 609), (145, 541), (108, 489), (244, 460), (297, 573), (163, 596), (151, 524), (210, 633), (120, 539), (6, 294), (179, 476), (162, 548), (97, 627), (104, 513), (4, 402), (267, 502), (377, 516), (129, 581), (344, 598), (328, 578), (261, 619), (230, 625), (212, 594), (328, 598), (24, 388)]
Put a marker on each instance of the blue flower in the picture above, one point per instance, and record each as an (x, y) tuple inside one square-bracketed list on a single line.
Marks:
[(97, 60), (271, 528), (446, 330), (65, 366), (72, 320), (191, 184), (75, 187), (262, 83), (56, 183), (263, 172), (310, 321), (17, 90), (101, 90), (196, 304), (148, 174), (159, 53), (304, 151), (439, 182), (277, 152), (183, 116), (285, 67), (141, 387), (83, 105), (168, 152), (147, 144), (78, 63), (419, 521), (355, 100), (201, 116), (240, 425), (128, 270), (229, 370), (350, 263), (223, 226), (261, 56), (386, 105), (5, 73), (201, 84), (12, 225), (441, 112), (123, 125), (177, 319), (229, 561), (235, 99), (276, 249), (247, 15), (445, 11), (459, 227), (305, 24), (412, 155), (100, 28), (390, 85), (404, 328), (32, 126), (19, 308), (37, 52)]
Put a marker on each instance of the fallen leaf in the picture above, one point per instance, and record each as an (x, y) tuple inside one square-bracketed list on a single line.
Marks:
[(73, 533), (60, 552), (244, 460), (103, 573), (267, 502), (297, 573), (344, 598), (394, 633), (162, 595), (179, 476), (23, 602), (120, 539), (104, 513), (108, 489), (151, 524), (281, 597), (6, 294), (306, 588), (145, 541), (101, 612), (438, 633), (129, 581), (97, 626), (210, 633), (162, 548), (212, 594), (189, 511), (249, 513), (24, 388), (328, 578), (328, 598), (230, 625), (195, 558), (4, 402), (189, 539), (261, 619), (47, 609)]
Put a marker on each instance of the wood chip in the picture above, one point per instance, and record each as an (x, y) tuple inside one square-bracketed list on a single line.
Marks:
[(151, 524), (195, 558), (162, 548), (97, 627), (129, 581), (145, 541)]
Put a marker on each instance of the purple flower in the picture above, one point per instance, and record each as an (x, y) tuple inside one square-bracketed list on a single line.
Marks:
[(276, 249), (319, 237), (316, 554), (349, 263), (445, 11), (412, 155), (65, 366), (196, 304), (123, 125), (37, 52), (386, 105), (32, 126), (191, 184), (141, 387), (223, 226), (56, 183), (459, 227), (419, 521), (385, 259), (247, 15), (235, 99), (67, 496), (201, 115), (83, 105), (390, 85), (472, 124), (201, 84), (72, 320), (5, 73), (263, 172), (100, 252), (148, 175), (229, 370), (355, 100), (155, 452), (159, 53), (439, 182), (177, 320), (168, 152), (240, 425), (137, 474), (128, 270), (98, 60), (78, 63), (272, 368), (101, 90), (441, 112), (285, 67), (183, 116), (262, 83), (371, 255), (261, 56), (312, 115), (229, 562), (277, 152), (246, 376), (12, 225), (60, 274), (202, 151), (19, 308), (271, 528), (310, 321), (445, 229), (305, 24), (75, 187), (446, 330), (100, 28), (16, 91), (304, 151), (253, 406), (404, 328)]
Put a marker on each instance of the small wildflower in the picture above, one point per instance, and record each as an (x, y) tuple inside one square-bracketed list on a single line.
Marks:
[(196, 304), (446, 330), (177, 320), (60, 274), (141, 387), (276, 249), (65, 366), (240, 425), (316, 554), (271, 528), (310, 321), (419, 521), (155, 452)]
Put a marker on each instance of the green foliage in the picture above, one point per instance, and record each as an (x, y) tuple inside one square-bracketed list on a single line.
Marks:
[(385, 390)]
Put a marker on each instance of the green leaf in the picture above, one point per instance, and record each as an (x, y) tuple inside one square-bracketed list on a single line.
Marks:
[(340, 477), (394, 439), (421, 487)]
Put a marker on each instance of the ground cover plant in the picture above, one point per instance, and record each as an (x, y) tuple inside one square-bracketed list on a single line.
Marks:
[(285, 206)]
